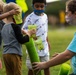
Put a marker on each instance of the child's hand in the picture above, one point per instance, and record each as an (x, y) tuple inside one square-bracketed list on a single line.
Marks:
[(31, 32), (0, 64), (24, 32), (14, 11)]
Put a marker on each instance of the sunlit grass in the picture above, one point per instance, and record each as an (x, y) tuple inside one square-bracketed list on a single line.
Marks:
[(59, 40)]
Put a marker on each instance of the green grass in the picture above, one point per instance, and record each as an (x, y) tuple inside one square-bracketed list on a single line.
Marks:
[(59, 40)]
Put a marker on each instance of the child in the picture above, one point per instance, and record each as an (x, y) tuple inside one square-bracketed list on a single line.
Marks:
[(12, 39), (70, 52), (39, 18), (2, 16)]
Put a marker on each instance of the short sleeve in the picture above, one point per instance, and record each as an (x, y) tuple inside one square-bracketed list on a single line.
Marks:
[(72, 45)]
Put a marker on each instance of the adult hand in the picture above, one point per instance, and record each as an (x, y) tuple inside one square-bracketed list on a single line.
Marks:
[(39, 66)]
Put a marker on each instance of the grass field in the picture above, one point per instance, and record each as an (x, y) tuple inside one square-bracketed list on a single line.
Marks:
[(59, 40)]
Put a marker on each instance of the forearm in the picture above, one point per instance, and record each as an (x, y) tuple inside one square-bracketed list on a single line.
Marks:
[(2, 16), (20, 38), (59, 59)]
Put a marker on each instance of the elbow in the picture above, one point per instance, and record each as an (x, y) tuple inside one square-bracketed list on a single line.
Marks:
[(67, 57), (22, 41), (68, 54)]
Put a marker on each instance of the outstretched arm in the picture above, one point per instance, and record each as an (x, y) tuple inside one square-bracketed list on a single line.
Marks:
[(59, 59)]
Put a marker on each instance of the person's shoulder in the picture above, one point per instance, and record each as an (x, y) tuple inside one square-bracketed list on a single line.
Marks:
[(7, 25), (45, 14), (14, 25), (31, 14)]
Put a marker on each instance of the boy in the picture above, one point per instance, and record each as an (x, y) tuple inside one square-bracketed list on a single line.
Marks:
[(2, 16), (39, 18), (13, 38), (70, 52)]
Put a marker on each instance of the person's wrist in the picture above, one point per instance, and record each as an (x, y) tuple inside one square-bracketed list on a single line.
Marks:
[(9, 13), (46, 65)]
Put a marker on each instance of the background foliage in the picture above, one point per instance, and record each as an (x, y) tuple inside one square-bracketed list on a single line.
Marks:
[(51, 8)]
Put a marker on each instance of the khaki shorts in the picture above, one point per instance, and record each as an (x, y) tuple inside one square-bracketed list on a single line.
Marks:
[(13, 64), (42, 59)]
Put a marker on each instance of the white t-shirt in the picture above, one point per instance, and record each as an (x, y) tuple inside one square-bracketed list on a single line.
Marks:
[(42, 29)]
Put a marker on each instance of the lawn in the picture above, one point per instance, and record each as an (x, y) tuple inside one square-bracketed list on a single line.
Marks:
[(58, 39)]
